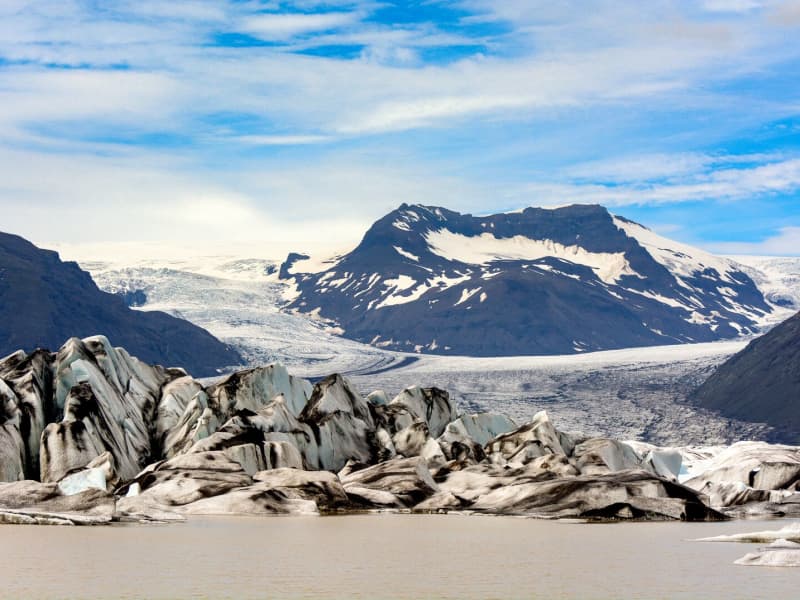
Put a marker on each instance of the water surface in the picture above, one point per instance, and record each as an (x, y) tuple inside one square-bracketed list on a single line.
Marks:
[(385, 556)]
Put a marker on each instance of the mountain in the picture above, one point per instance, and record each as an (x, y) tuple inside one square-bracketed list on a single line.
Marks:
[(44, 301), (536, 281), (761, 383)]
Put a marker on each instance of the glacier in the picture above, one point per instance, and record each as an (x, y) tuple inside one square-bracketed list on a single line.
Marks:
[(121, 440), (240, 298)]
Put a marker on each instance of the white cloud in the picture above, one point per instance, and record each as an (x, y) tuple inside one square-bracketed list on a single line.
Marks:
[(640, 167), (398, 116), (690, 182), (785, 243), (35, 96), (735, 6), (251, 103), (785, 13), (281, 26), (646, 61), (282, 140), (144, 197)]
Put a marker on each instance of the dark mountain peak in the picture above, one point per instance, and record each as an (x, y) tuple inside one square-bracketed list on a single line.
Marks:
[(44, 301), (414, 220), (417, 217), (11, 242), (567, 210), (291, 259), (536, 280)]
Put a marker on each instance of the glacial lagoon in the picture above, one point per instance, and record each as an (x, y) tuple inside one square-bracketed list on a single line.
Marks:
[(387, 556)]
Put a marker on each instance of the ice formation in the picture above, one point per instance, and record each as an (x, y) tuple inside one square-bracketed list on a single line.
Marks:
[(91, 435)]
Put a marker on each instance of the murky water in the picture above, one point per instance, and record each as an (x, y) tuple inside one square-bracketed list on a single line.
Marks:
[(385, 556)]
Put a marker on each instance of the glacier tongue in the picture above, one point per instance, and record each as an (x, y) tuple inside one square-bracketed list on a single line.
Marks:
[(239, 300)]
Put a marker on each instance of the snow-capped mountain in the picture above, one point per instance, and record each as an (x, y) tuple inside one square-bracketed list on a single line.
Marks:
[(536, 281)]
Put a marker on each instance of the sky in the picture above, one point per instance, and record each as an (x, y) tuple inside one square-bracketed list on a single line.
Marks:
[(294, 125)]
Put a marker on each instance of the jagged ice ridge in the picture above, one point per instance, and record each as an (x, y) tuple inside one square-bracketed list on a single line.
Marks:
[(91, 435)]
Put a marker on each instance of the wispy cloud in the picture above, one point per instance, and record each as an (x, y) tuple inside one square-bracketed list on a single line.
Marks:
[(674, 167), (677, 179), (474, 103), (735, 6), (282, 140), (785, 243), (282, 26), (371, 95)]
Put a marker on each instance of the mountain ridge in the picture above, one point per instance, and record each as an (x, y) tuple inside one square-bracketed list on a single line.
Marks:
[(44, 300), (542, 281)]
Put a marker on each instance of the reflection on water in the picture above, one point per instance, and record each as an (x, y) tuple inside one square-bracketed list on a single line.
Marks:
[(385, 556)]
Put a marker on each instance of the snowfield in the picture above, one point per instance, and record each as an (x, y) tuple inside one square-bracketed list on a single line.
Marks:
[(777, 277), (486, 248)]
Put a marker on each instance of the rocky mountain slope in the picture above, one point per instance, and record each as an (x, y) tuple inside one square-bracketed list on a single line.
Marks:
[(762, 382), (537, 281), (44, 301), (111, 438)]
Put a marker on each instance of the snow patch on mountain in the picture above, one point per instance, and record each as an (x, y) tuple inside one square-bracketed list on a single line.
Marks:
[(402, 252), (466, 294), (313, 264), (396, 287), (681, 260), (668, 301), (486, 248), (400, 292)]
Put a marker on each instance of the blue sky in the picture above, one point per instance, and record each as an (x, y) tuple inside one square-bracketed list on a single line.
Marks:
[(296, 124)]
